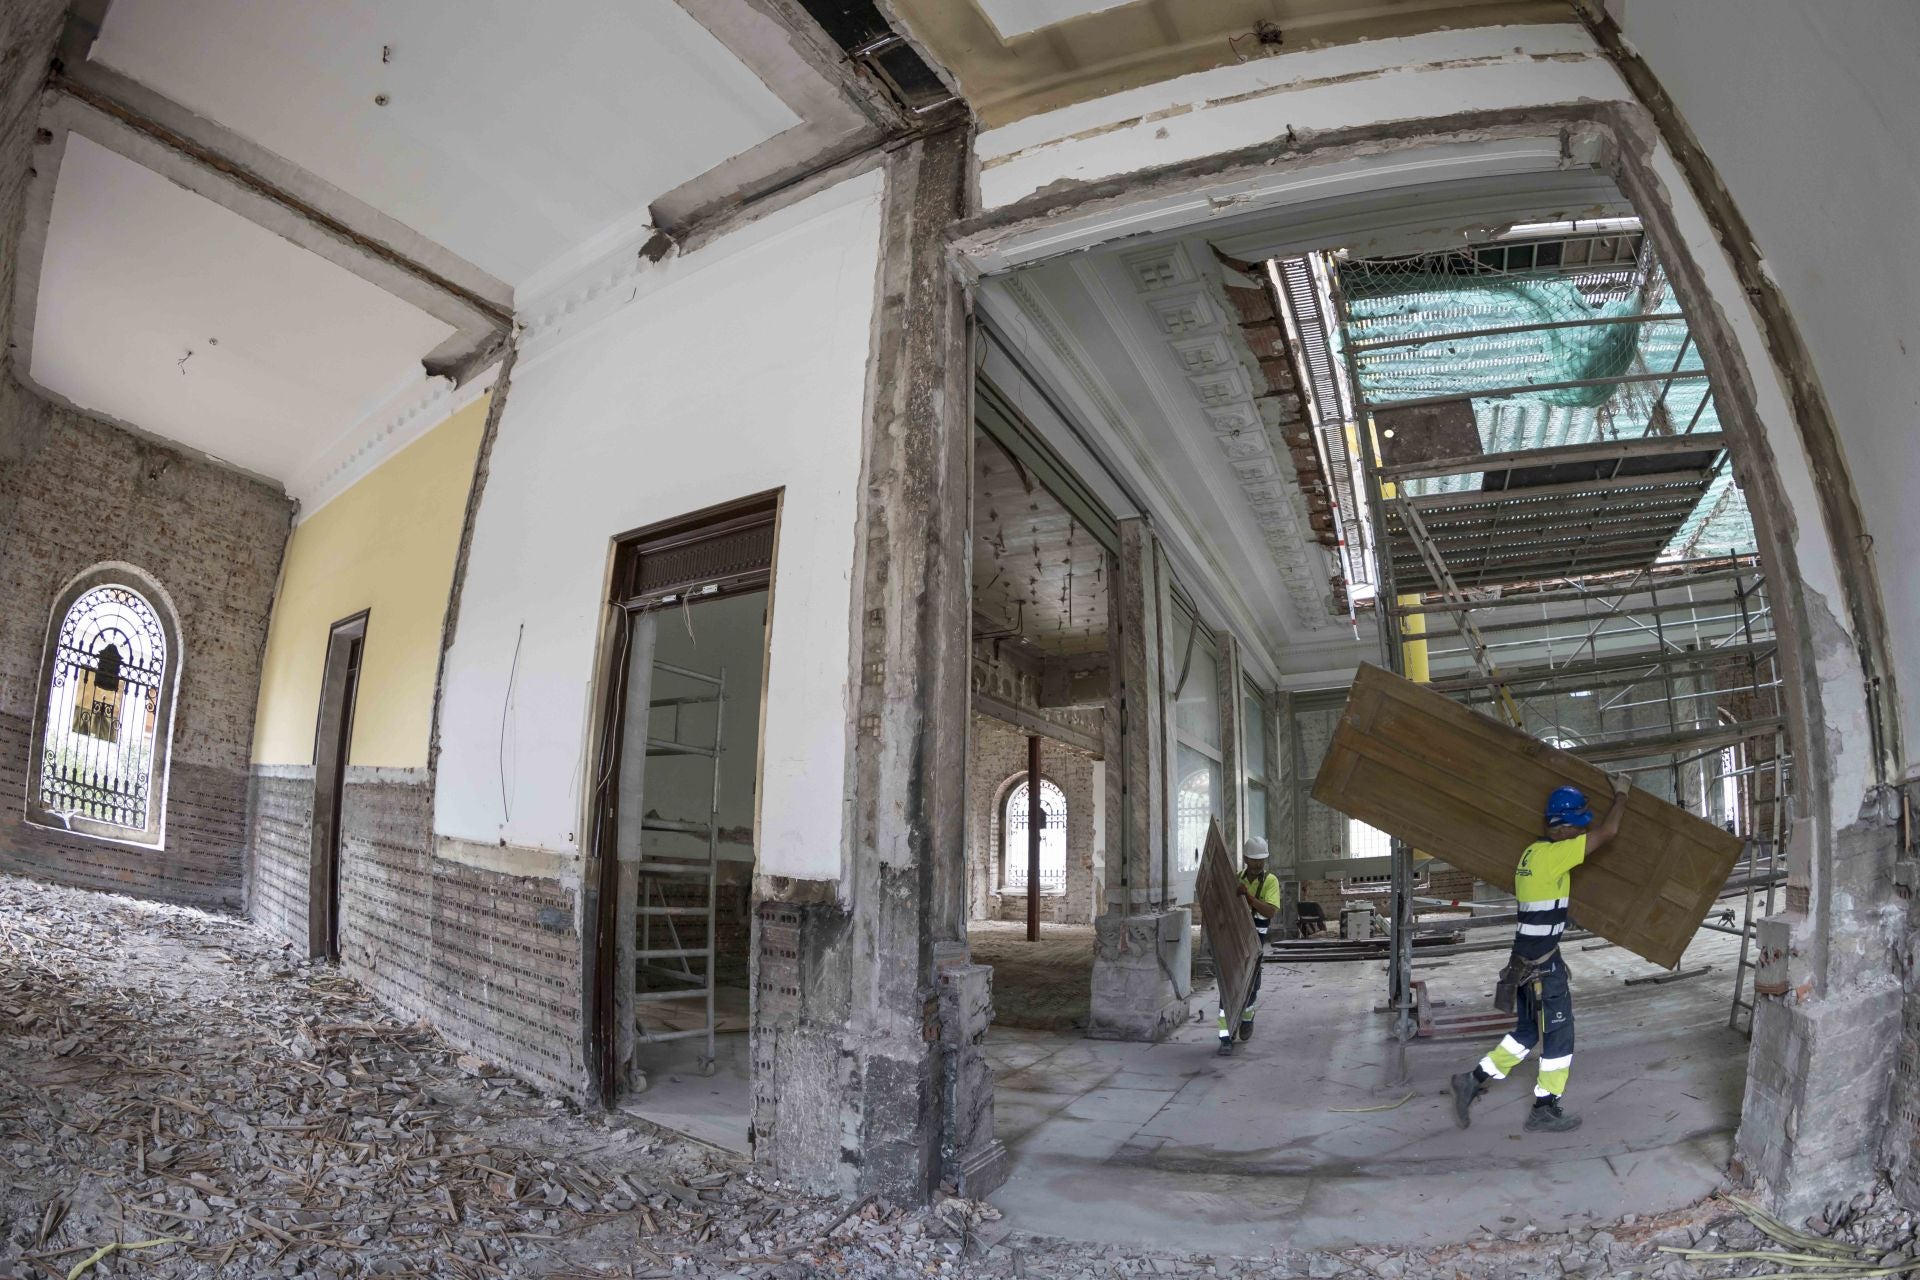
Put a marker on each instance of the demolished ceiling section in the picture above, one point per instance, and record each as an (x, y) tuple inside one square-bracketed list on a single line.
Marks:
[(1039, 575), (1567, 347), (1216, 318)]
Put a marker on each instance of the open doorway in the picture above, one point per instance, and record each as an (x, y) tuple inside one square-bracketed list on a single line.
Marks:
[(1487, 454), (332, 740), (1041, 572), (679, 815)]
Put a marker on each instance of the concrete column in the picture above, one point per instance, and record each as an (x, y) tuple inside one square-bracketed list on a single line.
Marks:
[(1283, 826), (869, 1071), (1142, 953), (1233, 802), (1133, 726)]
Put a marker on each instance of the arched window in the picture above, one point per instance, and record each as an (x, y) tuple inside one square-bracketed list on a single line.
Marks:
[(101, 736), (1015, 817)]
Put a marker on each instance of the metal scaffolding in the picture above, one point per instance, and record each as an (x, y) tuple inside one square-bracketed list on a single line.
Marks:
[(1555, 535)]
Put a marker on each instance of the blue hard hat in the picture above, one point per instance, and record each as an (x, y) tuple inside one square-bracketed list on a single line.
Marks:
[(1567, 807)]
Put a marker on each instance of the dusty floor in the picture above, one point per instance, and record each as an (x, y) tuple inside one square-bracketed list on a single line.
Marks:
[(1039, 986), (1322, 1131), (177, 1077)]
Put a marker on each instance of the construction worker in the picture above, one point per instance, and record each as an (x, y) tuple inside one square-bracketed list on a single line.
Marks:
[(1543, 1005), (1261, 892)]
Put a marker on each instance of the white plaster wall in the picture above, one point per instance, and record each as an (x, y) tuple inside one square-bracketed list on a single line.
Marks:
[(1812, 116), (737, 369)]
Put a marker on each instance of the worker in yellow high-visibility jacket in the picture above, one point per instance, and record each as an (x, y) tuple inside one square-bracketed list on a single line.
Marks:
[(1543, 1004), (1261, 892)]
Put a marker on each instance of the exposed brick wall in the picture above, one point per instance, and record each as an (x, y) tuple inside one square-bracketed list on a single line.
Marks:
[(997, 752), (386, 892), (506, 971), (199, 866), (1454, 886), (491, 960), (75, 491), (280, 818)]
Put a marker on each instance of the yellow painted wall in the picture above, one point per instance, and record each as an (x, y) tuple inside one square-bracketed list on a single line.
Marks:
[(386, 545)]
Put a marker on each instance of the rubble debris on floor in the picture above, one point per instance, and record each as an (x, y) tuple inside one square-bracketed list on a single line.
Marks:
[(182, 1097)]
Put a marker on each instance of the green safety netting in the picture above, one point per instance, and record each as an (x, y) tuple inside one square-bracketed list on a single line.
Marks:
[(1390, 302)]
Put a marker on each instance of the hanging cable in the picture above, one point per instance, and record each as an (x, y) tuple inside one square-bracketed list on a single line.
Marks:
[(513, 670)]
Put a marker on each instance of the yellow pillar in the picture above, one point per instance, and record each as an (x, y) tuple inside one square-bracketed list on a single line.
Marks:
[(1413, 652)]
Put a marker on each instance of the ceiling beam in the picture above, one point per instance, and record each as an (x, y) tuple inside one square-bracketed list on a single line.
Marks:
[(841, 113), (215, 162), (1600, 451)]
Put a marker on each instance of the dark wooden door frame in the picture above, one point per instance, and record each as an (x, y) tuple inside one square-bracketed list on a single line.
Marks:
[(332, 738), (631, 596)]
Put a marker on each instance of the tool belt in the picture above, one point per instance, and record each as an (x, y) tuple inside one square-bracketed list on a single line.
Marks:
[(1519, 973)]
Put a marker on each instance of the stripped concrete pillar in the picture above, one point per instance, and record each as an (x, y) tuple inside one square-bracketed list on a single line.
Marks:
[(1142, 950), (1233, 801), (869, 1072)]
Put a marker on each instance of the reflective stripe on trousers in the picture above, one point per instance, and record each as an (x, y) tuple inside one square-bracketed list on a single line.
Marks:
[(1543, 1020)]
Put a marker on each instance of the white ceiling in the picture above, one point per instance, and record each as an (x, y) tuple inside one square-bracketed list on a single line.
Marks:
[(289, 351), (514, 134), (1017, 17)]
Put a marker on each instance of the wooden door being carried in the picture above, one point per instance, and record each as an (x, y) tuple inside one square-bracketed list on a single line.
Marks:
[(1472, 792), (1229, 925)]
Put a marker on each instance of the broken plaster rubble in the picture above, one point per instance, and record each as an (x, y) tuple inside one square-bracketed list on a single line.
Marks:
[(183, 1078)]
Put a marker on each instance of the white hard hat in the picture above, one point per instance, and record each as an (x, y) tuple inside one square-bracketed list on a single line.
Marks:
[(1254, 850)]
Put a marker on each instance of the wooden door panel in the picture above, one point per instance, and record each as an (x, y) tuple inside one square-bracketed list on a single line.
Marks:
[(1471, 791), (1229, 925)]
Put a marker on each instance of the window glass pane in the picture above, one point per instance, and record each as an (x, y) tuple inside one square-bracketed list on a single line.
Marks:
[(1197, 802), (1253, 715), (1053, 838), (1197, 714), (103, 708), (1364, 841), (1257, 812)]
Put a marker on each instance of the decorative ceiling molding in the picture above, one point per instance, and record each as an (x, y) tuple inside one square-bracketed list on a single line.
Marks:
[(1064, 354), (1190, 313), (381, 434)]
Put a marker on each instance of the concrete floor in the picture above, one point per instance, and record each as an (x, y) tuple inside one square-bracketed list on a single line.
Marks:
[(712, 1107), (1147, 1144), (1041, 986)]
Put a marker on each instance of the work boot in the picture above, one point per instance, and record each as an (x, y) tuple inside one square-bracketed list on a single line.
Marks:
[(1547, 1117), (1226, 1046), (1246, 1029), (1465, 1090)]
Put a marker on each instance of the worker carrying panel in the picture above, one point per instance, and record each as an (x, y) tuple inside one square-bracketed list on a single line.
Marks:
[(1230, 931), (1472, 792)]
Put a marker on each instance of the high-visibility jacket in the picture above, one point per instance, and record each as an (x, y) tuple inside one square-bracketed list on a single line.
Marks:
[(1267, 890), (1543, 883)]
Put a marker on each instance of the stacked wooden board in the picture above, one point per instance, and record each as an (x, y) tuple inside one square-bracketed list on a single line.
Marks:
[(1229, 925), (1471, 791)]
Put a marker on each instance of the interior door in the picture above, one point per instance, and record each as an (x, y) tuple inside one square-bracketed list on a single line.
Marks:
[(333, 736)]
